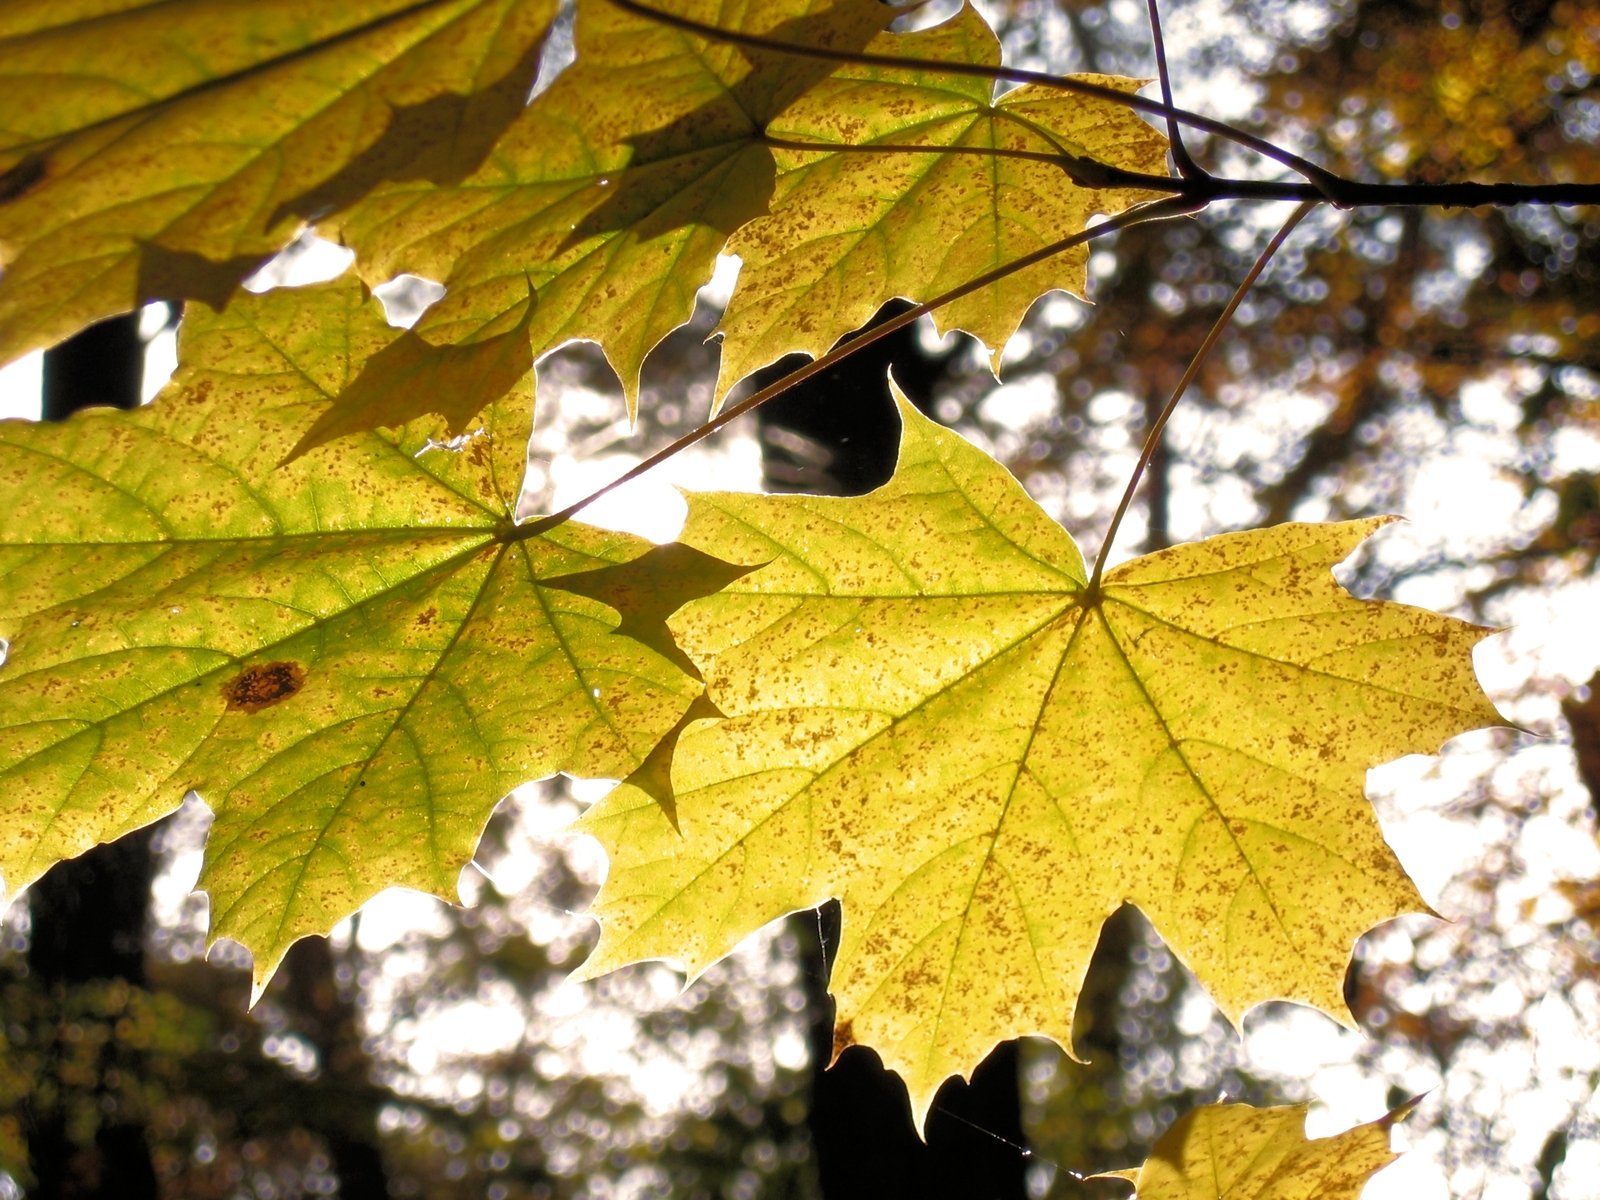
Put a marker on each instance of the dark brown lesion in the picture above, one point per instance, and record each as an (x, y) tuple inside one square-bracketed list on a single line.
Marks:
[(263, 685)]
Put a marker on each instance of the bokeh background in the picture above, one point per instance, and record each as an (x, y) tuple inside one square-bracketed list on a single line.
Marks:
[(1440, 364)]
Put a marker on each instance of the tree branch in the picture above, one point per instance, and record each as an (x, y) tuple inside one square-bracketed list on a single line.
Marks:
[(1204, 189), (1181, 159), (1201, 189), (1077, 87)]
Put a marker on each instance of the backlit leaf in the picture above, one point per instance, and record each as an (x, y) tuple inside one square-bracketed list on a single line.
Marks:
[(163, 151), (352, 659), (613, 194), (851, 229), (929, 718), (1237, 1152)]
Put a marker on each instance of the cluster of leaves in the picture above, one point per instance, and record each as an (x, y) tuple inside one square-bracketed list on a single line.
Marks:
[(299, 583)]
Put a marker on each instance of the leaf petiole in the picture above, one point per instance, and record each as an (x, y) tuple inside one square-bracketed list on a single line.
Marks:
[(1159, 210), (1182, 161), (1153, 437)]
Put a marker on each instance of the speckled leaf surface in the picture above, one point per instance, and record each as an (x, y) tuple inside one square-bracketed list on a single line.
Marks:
[(927, 717), (603, 210), (352, 658), (163, 150), (1244, 1153), (936, 207)]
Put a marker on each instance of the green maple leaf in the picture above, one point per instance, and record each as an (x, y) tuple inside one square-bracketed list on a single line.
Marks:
[(163, 151), (1247, 1153), (603, 209), (849, 230), (352, 659), (928, 716)]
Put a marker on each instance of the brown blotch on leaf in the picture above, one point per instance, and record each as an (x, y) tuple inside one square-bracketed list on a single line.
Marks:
[(23, 177), (263, 685), (844, 1036)]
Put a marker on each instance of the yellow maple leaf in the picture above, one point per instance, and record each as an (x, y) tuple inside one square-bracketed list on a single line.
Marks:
[(1237, 1152), (928, 716), (609, 202), (937, 206), (352, 658), (163, 151)]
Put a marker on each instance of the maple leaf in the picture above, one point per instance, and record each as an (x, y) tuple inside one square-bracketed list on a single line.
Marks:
[(929, 717), (163, 151), (1246, 1153), (352, 658), (850, 230), (609, 203)]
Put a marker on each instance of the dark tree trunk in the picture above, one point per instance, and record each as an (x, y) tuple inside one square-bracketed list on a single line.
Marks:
[(88, 915), (839, 434), (1157, 482), (322, 1012), (102, 365)]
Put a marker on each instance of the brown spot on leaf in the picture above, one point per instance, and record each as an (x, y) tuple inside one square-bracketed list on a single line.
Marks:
[(263, 685), (23, 177), (844, 1036)]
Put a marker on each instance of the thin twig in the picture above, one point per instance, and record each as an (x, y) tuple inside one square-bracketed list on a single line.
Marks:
[(1181, 159), (1156, 211), (1153, 437), (1205, 189), (1321, 183)]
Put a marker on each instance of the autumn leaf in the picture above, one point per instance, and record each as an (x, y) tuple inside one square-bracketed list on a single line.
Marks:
[(929, 717), (1244, 1153), (352, 659), (938, 205), (163, 151), (610, 199)]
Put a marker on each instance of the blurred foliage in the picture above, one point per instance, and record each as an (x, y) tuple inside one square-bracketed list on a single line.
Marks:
[(86, 1053), (628, 1083)]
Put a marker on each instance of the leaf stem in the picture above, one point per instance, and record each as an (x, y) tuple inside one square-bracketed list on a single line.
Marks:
[(1172, 206), (1084, 172), (1050, 157), (1181, 159), (1153, 437)]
